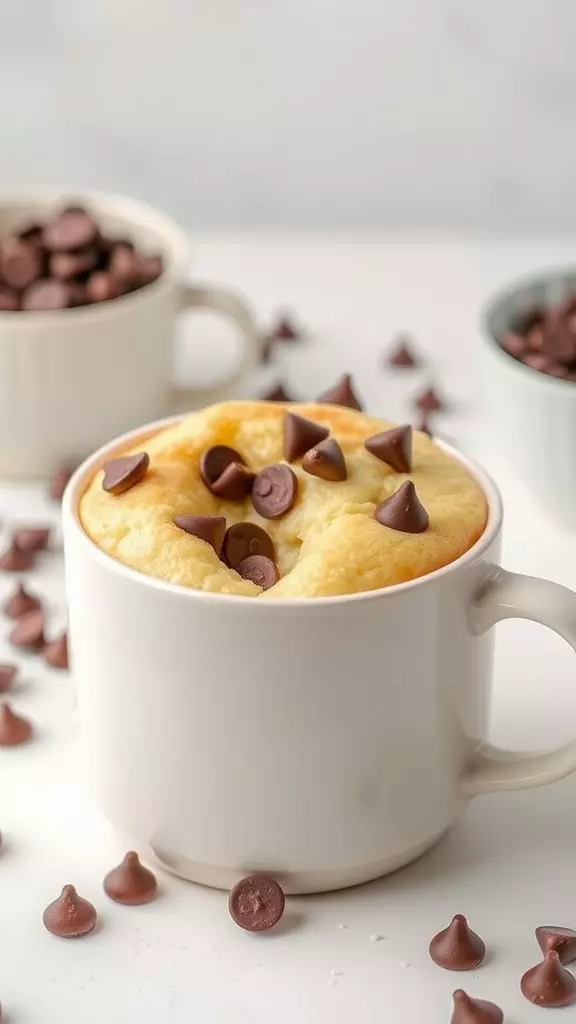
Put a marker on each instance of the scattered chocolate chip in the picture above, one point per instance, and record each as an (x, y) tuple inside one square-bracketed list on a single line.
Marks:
[(20, 263), (256, 903), (70, 916), (8, 674), (244, 539), (55, 653), (267, 347), (275, 491), (59, 482), (549, 983), (402, 355), (14, 559), (286, 330), (403, 511), (277, 393), (207, 528), (429, 401), (235, 483), (73, 228), (66, 265), (423, 424), (394, 447), (563, 940), (101, 287), (342, 393), (474, 1011), (20, 603), (125, 472), (9, 301), (13, 728), (300, 435), (215, 460), (260, 570), (29, 631), (47, 294), (326, 461), (130, 882), (457, 947), (32, 538)]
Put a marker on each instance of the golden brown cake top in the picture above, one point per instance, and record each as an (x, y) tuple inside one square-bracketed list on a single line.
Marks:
[(327, 543)]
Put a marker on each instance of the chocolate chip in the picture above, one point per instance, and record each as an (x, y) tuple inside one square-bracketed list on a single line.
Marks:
[(14, 559), (70, 916), (267, 347), (20, 263), (29, 631), (73, 228), (149, 269), (275, 491), (235, 483), (549, 983), (342, 393), (256, 903), (59, 482), (403, 511), (402, 355), (423, 424), (286, 330), (8, 674), (125, 472), (13, 728), (20, 603), (277, 393), (55, 653), (514, 344), (65, 265), (123, 265), (326, 461), (47, 294), (130, 882), (474, 1011), (244, 539), (32, 233), (559, 342), (457, 947), (9, 301), (429, 401), (563, 940), (29, 538), (260, 570), (394, 447), (101, 287), (215, 460), (536, 361), (210, 529), (300, 435)]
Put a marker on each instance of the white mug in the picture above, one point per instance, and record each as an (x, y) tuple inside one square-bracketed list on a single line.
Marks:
[(324, 741), (72, 379), (533, 413)]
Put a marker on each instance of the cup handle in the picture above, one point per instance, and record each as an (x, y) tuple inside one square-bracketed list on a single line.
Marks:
[(507, 595), (221, 300)]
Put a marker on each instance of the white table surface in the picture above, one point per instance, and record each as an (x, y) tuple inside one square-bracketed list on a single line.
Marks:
[(509, 865)]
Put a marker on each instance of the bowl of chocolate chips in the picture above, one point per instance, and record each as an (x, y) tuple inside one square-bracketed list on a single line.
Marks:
[(531, 331), (90, 287)]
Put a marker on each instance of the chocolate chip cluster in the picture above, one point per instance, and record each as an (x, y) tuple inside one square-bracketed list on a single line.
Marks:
[(68, 261), (545, 340)]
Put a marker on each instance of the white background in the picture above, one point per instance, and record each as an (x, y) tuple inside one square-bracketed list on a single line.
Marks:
[(303, 113)]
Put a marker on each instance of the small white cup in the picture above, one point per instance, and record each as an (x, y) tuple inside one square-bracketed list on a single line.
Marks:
[(324, 741), (72, 379), (534, 414)]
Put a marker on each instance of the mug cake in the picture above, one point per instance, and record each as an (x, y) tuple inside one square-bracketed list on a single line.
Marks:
[(262, 500)]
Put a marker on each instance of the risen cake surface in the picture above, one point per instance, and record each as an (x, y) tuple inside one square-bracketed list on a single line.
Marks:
[(329, 543)]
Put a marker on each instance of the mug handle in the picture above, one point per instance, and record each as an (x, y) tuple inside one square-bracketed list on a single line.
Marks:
[(507, 595), (221, 300)]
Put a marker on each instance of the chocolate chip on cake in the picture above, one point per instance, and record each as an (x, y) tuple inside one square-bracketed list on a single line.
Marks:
[(402, 355), (235, 483), (326, 461), (394, 447), (563, 940), (474, 1011), (215, 460), (244, 539), (403, 511), (256, 903), (549, 983), (130, 882), (14, 559), (70, 916), (342, 393), (55, 653), (275, 491), (14, 729), (429, 401), (210, 529), (457, 947), (259, 570), (8, 674), (300, 435), (20, 603), (29, 538), (28, 632), (125, 472)]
